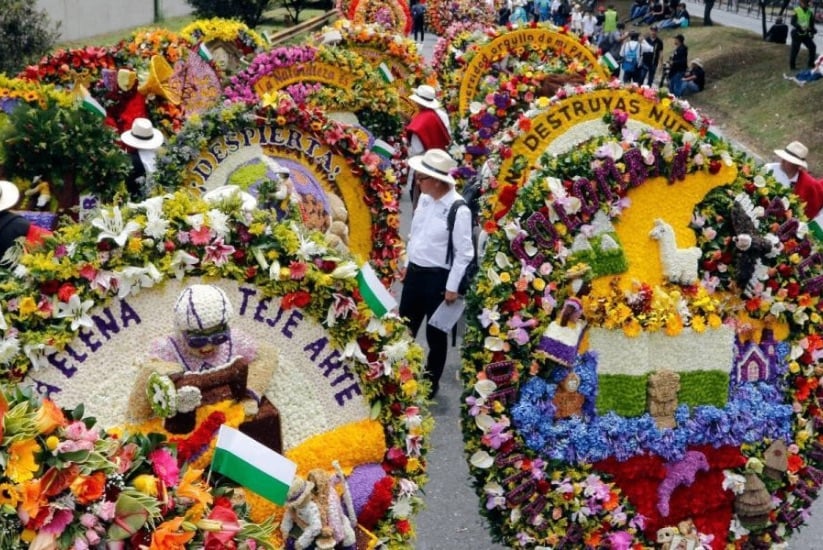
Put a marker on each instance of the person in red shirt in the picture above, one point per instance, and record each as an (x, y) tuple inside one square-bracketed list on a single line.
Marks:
[(428, 129)]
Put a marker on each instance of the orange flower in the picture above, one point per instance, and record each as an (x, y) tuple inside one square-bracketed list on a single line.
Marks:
[(21, 462), (49, 417), (169, 536), (193, 487), (32, 499), (88, 489)]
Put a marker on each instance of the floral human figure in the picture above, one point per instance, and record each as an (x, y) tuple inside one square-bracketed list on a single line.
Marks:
[(562, 337)]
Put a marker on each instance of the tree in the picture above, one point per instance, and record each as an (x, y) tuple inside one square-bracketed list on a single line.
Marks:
[(294, 7), (25, 35), (249, 11)]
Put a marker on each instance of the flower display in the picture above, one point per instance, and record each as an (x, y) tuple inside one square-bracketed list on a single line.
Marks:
[(68, 484), (226, 30), (441, 14), (599, 460), (392, 16), (67, 67), (366, 94), (379, 188), (128, 250), (15, 91)]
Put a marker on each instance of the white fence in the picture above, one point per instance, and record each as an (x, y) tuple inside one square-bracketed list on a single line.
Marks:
[(84, 18)]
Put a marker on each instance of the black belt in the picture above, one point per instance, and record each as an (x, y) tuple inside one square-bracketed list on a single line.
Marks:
[(421, 269)]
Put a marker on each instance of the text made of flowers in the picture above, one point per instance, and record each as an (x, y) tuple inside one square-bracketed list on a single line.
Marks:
[(327, 74)]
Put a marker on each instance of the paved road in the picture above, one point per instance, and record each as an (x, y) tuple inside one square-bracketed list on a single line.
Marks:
[(451, 520)]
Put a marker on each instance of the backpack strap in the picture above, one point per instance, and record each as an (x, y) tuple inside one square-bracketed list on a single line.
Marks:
[(450, 226)]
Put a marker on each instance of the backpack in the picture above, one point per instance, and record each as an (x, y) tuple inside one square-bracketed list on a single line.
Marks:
[(471, 200), (629, 64)]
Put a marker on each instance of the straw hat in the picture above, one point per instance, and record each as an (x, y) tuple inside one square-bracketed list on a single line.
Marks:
[(436, 163), (698, 62), (426, 96), (9, 195), (795, 152), (142, 135), (299, 492)]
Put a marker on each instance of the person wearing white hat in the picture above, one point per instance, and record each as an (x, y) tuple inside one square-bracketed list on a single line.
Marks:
[(13, 225), (143, 140), (434, 269), (428, 129), (791, 171)]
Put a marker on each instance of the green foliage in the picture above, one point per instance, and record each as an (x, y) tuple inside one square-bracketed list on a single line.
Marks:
[(25, 35), (65, 147), (249, 11)]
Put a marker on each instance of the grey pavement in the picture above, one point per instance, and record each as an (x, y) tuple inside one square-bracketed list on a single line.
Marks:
[(451, 519)]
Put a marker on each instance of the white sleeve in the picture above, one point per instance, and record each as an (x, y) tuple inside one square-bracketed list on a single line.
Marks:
[(463, 247)]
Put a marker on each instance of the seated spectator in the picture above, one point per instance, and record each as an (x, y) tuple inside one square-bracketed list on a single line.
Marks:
[(678, 63), (639, 9), (656, 13), (809, 75), (679, 19), (778, 33), (693, 81)]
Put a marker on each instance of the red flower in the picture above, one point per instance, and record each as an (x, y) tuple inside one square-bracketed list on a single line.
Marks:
[(795, 463), (299, 299), (66, 291), (403, 526), (50, 287)]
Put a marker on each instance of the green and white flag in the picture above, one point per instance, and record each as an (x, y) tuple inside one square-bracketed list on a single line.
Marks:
[(609, 61), (253, 465), (385, 73), (88, 103), (383, 149), (379, 300), (204, 52), (816, 227)]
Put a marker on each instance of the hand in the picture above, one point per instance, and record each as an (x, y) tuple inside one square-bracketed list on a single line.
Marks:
[(450, 297)]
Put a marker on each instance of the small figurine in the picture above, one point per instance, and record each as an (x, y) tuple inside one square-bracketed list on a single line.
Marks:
[(562, 337), (568, 401), (662, 394)]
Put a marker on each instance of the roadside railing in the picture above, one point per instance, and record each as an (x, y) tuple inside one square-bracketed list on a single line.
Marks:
[(301, 28)]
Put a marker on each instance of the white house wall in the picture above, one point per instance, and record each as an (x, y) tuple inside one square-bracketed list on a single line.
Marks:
[(86, 18)]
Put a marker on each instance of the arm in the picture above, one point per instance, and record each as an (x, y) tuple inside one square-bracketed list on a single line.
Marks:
[(463, 249)]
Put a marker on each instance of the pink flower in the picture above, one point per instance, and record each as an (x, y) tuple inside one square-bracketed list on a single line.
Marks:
[(59, 521), (298, 270), (164, 466), (219, 252), (621, 540), (200, 236), (230, 527), (689, 115)]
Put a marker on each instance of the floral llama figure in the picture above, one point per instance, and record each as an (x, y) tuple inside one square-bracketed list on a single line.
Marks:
[(679, 264)]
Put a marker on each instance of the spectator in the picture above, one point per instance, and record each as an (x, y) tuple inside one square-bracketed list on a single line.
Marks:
[(656, 13), (612, 43), (693, 81), (577, 20), (428, 129), (778, 32), (791, 171), (651, 59), (143, 141), (418, 11), (708, 5), (678, 63), (561, 17), (809, 75), (679, 19), (631, 55), (610, 20), (589, 24), (504, 14), (803, 31), (543, 9), (519, 15), (639, 10)]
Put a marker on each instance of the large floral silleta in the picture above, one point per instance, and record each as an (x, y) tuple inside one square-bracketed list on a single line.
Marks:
[(689, 411)]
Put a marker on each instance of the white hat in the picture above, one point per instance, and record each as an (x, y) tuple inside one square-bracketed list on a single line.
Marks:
[(9, 195), (202, 307), (436, 163), (426, 96), (142, 135), (697, 61), (224, 192), (795, 152), (274, 166), (299, 491)]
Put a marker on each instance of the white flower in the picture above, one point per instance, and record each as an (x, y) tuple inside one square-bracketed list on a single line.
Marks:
[(502, 261), (352, 351), (37, 354), (8, 349), (407, 487), (734, 482), (376, 326), (309, 249), (219, 222), (395, 351), (274, 271), (195, 221), (3, 324), (75, 310), (345, 270), (132, 279), (493, 343), (182, 263), (154, 205), (402, 508), (156, 225), (111, 226)]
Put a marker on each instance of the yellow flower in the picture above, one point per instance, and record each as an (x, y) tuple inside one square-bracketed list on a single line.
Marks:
[(146, 484), (505, 277), (494, 330), (410, 388), (632, 328), (498, 407), (795, 258), (674, 325), (52, 442), (715, 321), (27, 307), (9, 495), (21, 464), (412, 465), (794, 367), (539, 284), (699, 324), (135, 245)]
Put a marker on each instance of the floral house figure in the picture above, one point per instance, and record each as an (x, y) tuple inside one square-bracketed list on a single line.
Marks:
[(206, 362), (562, 337)]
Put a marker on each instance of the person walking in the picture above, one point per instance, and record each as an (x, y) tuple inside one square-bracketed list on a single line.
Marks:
[(429, 278), (803, 31), (428, 129), (418, 11), (631, 53), (651, 60)]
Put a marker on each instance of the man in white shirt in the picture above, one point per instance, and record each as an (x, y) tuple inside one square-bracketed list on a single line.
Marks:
[(430, 278)]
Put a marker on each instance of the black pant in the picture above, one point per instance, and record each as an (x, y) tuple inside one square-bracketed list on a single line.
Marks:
[(806, 40), (423, 291), (419, 28)]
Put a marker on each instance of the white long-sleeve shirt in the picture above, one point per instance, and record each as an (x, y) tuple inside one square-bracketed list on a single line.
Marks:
[(429, 237)]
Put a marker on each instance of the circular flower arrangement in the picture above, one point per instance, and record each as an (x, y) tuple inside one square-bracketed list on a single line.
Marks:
[(622, 390), (394, 16), (233, 32), (380, 189), (441, 14), (368, 96), (49, 313), (448, 52)]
